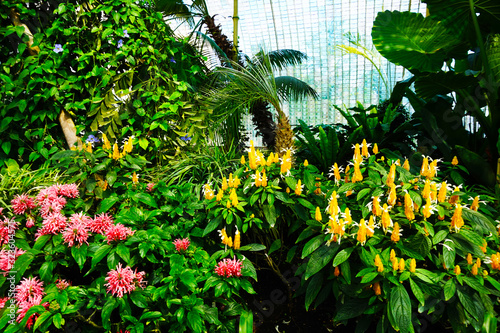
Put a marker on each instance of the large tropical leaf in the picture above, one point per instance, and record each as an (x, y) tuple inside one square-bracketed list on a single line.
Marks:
[(279, 59), (493, 52), (291, 88), (442, 83), (410, 40)]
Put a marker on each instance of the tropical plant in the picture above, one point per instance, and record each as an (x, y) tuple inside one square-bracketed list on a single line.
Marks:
[(453, 54)]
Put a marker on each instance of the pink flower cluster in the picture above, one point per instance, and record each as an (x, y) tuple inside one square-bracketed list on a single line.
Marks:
[(22, 203), (8, 258), (29, 293), (181, 244), (229, 267), (118, 232), (150, 187), (62, 284), (77, 231), (7, 228), (123, 280)]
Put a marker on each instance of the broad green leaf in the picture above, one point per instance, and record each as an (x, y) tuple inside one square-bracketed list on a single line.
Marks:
[(108, 307), (449, 289), (312, 245), (449, 253), (194, 321), (100, 253), (212, 225), (351, 308), (412, 40), (253, 247), (107, 203), (313, 288), (79, 254), (270, 214), (319, 259), (275, 246), (246, 322), (342, 256), (400, 305), (147, 199), (419, 295)]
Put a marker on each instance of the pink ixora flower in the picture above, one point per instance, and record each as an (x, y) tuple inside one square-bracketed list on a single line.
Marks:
[(118, 232), (62, 284), (7, 228), (3, 301), (22, 203), (53, 224), (150, 187), (23, 308), (101, 223), (181, 244), (8, 258), (29, 290), (229, 267), (122, 281)]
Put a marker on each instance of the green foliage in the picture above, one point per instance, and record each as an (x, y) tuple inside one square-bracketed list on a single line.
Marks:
[(120, 71)]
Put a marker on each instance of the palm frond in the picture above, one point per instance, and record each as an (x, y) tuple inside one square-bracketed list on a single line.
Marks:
[(291, 88), (279, 59), (175, 8), (202, 40)]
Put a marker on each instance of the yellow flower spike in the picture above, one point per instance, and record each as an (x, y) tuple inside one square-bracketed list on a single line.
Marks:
[(454, 161), (276, 158), (258, 180), (105, 141), (395, 264), (382, 158), (116, 153), (406, 165), (333, 206), (287, 190), (469, 259), (370, 229), (392, 256), (457, 270), (433, 191), (424, 170), (234, 198), (456, 220), (361, 235), (347, 216), (357, 177), (264, 178), (474, 269), (413, 265), (484, 247), (242, 160), (386, 218), (432, 169), (378, 261), (427, 189), (391, 200), (317, 215), (230, 241), (395, 233), (410, 215), (127, 148), (270, 159), (398, 162), (336, 173), (375, 149), (237, 240), (236, 182), (219, 196), (376, 209), (442, 192), (298, 189), (306, 163), (223, 236), (252, 157), (224, 184), (377, 289), (262, 159), (364, 149), (478, 262), (336, 271), (475, 203), (348, 193), (88, 148), (230, 181), (357, 153), (135, 179), (228, 204), (401, 264), (392, 175)]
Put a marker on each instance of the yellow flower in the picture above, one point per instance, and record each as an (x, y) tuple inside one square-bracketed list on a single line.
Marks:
[(116, 153), (442, 192), (286, 162), (454, 161), (357, 177), (376, 210), (258, 180), (392, 175), (395, 233), (424, 170), (409, 207), (347, 215), (392, 256), (401, 264), (264, 178), (252, 157), (413, 265), (236, 182), (386, 218), (361, 235), (219, 196), (376, 288), (375, 149), (474, 269), (357, 154), (478, 262), (427, 189), (364, 149), (406, 165), (88, 147), (317, 215), (105, 141), (457, 270), (427, 210), (127, 147), (475, 203), (230, 181), (225, 239), (391, 200), (469, 259), (370, 229), (287, 190), (237, 240), (336, 272), (378, 264), (270, 159), (433, 191), (336, 173), (224, 183), (432, 169), (234, 198), (485, 245), (306, 163), (456, 220), (395, 264), (135, 179), (242, 160), (298, 189), (228, 204), (209, 194), (333, 206)]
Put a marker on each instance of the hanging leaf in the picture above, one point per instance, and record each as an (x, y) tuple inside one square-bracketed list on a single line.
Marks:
[(442, 83), (400, 305)]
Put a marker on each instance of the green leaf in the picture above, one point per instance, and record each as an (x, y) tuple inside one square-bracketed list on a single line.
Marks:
[(6, 147), (400, 305), (320, 258), (107, 203), (100, 254), (342, 256), (212, 225), (147, 199), (123, 251), (471, 305), (253, 247), (108, 307), (139, 299), (270, 214), (150, 315), (419, 295), (275, 246), (111, 177), (410, 40), (479, 221), (41, 319), (246, 322), (79, 254), (369, 277), (477, 166), (313, 289), (194, 321), (441, 83), (312, 245), (351, 308), (449, 253), (449, 289)]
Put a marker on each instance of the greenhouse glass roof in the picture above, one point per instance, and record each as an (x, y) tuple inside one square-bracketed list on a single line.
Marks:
[(319, 28)]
